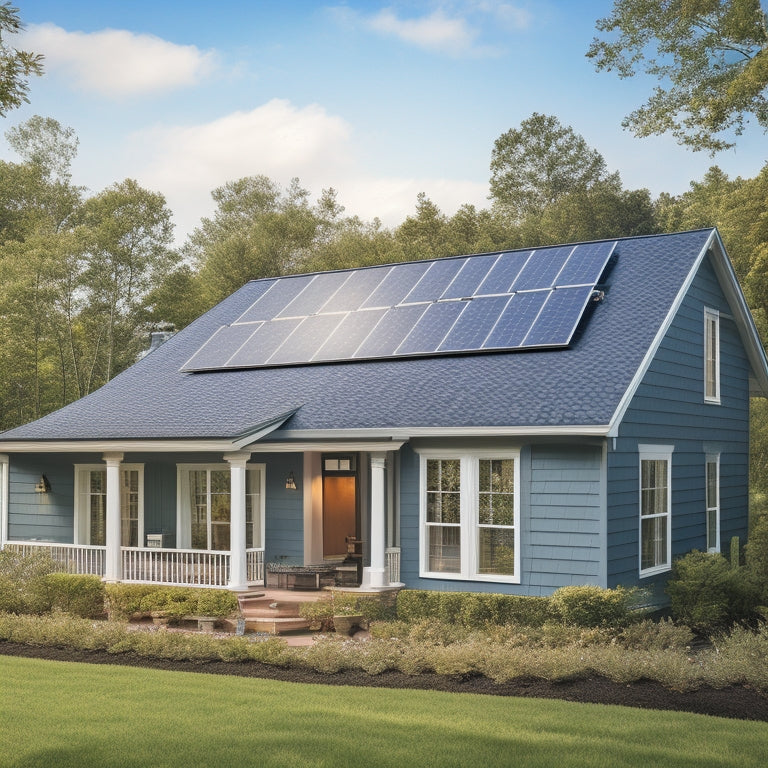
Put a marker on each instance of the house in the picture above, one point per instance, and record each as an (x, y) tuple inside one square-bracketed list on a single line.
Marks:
[(508, 422)]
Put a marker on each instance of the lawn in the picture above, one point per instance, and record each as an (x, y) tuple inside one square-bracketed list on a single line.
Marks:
[(66, 714)]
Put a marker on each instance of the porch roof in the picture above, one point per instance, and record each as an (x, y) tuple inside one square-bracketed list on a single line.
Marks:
[(580, 387)]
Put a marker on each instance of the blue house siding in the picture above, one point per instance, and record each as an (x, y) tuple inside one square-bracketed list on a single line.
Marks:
[(50, 516), (669, 409), (42, 516), (560, 522)]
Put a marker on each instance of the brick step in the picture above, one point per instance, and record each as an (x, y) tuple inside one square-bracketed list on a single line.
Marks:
[(276, 626)]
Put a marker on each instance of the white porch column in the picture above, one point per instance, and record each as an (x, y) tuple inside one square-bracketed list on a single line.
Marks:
[(238, 576), (376, 574), (113, 570)]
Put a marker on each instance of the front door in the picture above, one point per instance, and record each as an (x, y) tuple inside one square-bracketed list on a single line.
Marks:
[(340, 503)]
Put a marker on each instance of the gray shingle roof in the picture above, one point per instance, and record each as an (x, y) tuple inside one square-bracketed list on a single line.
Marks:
[(579, 385)]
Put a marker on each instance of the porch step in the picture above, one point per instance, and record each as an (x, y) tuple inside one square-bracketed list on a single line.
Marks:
[(276, 626)]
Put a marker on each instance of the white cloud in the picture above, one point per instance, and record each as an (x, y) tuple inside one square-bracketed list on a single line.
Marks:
[(280, 141), (118, 63), (434, 32)]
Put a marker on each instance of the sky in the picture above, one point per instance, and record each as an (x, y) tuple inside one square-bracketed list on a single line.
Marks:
[(379, 100)]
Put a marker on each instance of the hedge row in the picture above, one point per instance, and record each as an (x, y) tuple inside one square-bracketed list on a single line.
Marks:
[(581, 606)]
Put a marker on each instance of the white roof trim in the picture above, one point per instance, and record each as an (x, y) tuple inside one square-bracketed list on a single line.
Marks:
[(744, 322), (126, 446), (403, 434)]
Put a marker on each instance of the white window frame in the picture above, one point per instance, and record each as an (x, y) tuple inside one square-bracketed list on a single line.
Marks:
[(82, 516), (469, 518), (712, 506), (711, 356), (184, 511), (655, 453)]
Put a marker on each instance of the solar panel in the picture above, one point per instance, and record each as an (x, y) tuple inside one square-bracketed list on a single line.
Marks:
[(469, 304), (432, 328), (435, 280), (557, 321), (503, 273)]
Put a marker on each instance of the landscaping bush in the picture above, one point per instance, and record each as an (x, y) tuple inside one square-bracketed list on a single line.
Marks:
[(124, 600), (177, 602), (80, 595), (707, 594), (756, 554), (22, 587), (591, 606), (471, 609)]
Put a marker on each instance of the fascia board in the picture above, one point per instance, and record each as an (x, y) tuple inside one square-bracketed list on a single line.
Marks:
[(745, 323), (124, 446)]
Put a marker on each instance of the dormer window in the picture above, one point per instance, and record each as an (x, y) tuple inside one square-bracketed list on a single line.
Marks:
[(711, 356)]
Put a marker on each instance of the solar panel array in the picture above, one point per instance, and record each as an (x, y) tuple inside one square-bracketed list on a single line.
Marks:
[(490, 302)]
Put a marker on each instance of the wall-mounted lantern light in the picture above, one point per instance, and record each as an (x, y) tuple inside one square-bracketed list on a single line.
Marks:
[(290, 482), (43, 485)]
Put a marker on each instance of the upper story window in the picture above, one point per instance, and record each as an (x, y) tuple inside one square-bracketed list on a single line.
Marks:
[(711, 356), (471, 516)]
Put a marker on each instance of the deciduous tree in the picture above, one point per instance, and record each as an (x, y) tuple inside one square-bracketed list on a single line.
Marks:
[(709, 56)]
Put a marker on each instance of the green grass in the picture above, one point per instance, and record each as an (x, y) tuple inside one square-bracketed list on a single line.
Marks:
[(65, 714)]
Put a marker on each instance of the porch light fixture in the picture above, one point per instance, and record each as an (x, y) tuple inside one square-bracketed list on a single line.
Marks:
[(290, 483), (43, 485)]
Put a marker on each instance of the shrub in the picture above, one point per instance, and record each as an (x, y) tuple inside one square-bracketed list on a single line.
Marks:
[(706, 593), (591, 606), (80, 595), (471, 609), (22, 589), (124, 600), (756, 554)]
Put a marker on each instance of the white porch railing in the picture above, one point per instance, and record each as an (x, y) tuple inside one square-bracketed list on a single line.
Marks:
[(175, 567), (393, 564), (73, 558)]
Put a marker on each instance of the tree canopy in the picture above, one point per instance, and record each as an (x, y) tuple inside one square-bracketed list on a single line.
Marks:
[(15, 66), (709, 56), (538, 163)]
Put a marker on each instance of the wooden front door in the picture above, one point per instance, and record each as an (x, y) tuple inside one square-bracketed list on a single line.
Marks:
[(340, 504)]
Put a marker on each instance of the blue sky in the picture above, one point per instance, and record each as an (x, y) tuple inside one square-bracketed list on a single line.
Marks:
[(380, 100)]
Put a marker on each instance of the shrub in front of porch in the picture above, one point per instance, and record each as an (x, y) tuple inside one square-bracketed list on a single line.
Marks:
[(22, 588), (131, 600)]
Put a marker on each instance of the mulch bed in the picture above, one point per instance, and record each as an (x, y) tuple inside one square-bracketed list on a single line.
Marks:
[(734, 701)]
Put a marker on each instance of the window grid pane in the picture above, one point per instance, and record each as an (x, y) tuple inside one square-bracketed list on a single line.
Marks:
[(654, 511), (444, 515), (712, 504)]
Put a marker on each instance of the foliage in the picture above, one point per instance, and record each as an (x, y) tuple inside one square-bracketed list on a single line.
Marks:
[(472, 609), (756, 555), (22, 581), (590, 606), (177, 602), (706, 593), (540, 162), (710, 57), (124, 600), (15, 66), (79, 595)]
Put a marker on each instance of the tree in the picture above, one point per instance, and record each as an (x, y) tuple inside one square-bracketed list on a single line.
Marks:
[(536, 164), (45, 143), (15, 66), (127, 233), (711, 57)]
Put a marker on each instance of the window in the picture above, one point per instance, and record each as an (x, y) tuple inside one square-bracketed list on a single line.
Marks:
[(655, 510), (204, 507), (91, 504), (711, 356), (470, 517), (713, 502)]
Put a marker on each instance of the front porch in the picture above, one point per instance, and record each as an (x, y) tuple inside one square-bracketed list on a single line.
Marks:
[(171, 567)]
